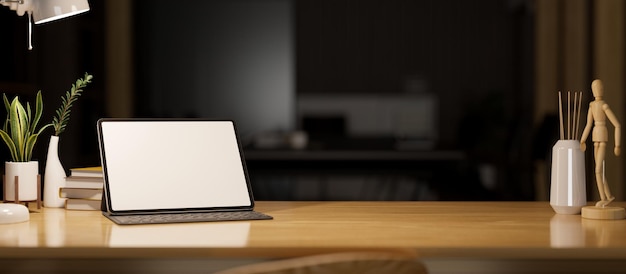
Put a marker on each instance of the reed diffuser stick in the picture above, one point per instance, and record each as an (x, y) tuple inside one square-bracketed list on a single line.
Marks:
[(580, 102), (561, 116), (569, 122), (569, 100)]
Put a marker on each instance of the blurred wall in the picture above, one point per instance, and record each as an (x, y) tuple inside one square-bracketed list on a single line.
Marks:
[(228, 59)]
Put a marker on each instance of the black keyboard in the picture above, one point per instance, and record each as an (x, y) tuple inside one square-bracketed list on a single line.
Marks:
[(187, 217)]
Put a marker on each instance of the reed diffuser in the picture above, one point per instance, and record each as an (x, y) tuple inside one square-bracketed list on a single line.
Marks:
[(567, 185)]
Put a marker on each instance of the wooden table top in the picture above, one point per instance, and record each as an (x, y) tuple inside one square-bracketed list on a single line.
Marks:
[(473, 230)]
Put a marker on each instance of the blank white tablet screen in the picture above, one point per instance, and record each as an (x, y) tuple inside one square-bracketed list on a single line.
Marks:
[(173, 165)]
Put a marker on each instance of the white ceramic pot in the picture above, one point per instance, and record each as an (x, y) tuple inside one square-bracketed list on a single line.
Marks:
[(54, 176), (27, 173), (567, 186)]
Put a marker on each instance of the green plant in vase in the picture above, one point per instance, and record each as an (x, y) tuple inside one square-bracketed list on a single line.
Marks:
[(62, 117), (54, 175), (20, 132)]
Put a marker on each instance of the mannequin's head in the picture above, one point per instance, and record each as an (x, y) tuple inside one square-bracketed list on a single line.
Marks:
[(597, 88)]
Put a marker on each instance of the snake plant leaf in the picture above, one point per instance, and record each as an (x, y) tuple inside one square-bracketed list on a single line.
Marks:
[(30, 143), (7, 139), (38, 111), (28, 114), (16, 115), (7, 105), (23, 126)]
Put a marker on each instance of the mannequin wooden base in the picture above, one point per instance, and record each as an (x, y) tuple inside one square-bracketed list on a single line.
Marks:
[(603, 213)]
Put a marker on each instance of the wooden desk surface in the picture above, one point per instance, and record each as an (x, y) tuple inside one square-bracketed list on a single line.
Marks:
[(472, 230)]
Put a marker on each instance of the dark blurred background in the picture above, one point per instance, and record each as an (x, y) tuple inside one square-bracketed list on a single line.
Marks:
[(397, 100)]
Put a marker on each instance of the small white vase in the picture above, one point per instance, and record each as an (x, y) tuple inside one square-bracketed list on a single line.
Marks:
[(567, 190), (54, 176), (27, 173)]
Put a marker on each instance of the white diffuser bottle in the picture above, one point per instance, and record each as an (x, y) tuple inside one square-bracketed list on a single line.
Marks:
[(567, 187)]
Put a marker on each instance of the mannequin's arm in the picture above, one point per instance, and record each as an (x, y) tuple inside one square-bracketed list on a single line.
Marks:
[(616, 124), (583, 138)]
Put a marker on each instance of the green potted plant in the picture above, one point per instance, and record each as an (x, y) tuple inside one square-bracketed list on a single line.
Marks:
[(20, 132), (54, 173)]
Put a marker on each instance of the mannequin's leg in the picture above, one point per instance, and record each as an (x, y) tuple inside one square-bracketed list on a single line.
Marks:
[(598, 148), (605, 183)]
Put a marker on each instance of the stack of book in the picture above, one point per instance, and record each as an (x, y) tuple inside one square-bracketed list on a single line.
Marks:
[(83, 189)]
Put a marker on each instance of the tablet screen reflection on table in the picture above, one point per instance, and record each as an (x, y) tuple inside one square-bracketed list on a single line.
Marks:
[(209, 234)]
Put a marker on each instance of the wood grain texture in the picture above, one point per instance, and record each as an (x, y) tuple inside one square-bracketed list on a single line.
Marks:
[(473, 230)]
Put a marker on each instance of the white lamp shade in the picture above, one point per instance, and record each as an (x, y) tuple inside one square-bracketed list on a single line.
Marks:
[(50, 10)]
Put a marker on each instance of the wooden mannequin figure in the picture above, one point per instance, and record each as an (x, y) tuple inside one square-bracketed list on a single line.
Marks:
[(597, 115)]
